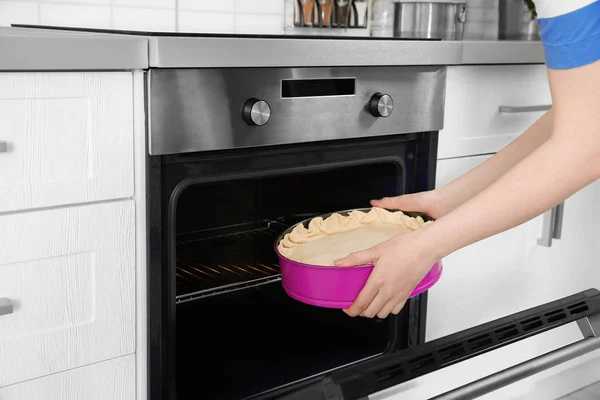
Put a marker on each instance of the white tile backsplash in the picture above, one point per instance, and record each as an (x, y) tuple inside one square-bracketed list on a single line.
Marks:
[(208, 5), (145, 3), (259, 7), (194, 21), (256, 23), (216, 16), (79, 15), (144, 19), (482, 20), (222, 16), (18, 12)]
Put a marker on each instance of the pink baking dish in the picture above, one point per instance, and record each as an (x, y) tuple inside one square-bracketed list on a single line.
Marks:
[(334, 287)]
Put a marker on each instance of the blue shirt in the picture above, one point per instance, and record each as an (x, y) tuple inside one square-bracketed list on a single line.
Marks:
[(570, 31)]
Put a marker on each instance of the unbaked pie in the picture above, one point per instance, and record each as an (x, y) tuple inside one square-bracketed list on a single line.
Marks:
[(327, 240)]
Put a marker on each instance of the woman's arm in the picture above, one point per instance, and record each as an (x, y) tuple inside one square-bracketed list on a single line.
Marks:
[(565, 163), (440, 202)]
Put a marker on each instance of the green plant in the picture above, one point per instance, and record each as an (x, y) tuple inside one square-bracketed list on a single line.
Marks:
[(531, 7)]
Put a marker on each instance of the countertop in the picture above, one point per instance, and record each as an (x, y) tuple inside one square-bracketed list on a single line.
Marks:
[(207, 52), (29, 49), (23, 49)]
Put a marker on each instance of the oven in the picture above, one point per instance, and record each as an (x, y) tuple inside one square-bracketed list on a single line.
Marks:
[(236, 156)]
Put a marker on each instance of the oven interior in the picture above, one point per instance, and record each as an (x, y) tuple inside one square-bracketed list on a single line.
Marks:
[(238, 335)]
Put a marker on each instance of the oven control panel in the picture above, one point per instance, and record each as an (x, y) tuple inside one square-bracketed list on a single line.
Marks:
[(193, 110)]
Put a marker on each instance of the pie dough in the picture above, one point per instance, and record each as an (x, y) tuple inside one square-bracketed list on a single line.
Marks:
[(327, 240)]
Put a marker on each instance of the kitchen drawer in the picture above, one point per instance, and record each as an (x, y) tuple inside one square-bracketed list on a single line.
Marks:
[(68, 138), (70, 275), (109, 380), (473, 121)]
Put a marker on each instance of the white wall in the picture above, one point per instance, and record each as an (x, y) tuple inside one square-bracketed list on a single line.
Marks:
[(223, 16)]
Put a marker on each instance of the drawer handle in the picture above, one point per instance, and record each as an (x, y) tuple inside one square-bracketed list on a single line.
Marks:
[(6, 307), (523, 109), (3, 146), (553, 222)]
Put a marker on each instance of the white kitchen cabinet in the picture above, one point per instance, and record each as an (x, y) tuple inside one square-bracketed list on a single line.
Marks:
[(109, 380), (65, 138), (481, 282), (70, 274), (511, 272), (474, 123), (506, 274), (571, 264)]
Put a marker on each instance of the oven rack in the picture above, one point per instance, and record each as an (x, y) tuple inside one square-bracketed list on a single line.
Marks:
[(227, 262)]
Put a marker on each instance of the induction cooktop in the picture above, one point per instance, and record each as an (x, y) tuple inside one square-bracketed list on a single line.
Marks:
[(216, 35)]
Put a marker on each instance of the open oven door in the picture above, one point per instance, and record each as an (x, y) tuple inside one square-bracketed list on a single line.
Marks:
[(371, 378)]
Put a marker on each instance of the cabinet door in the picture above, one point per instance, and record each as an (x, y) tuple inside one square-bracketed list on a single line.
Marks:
[(474, 123), (571, 264), (480, 282), (109, 380), (66, 138), (70, 275)]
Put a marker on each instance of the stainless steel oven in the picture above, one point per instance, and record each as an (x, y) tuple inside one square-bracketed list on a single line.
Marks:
[(236, 156)]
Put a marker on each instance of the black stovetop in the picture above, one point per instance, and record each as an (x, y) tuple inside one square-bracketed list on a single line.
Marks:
[(214, 35)]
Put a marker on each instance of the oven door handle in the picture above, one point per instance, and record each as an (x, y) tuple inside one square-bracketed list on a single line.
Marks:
[(358, 381), (523, 370)]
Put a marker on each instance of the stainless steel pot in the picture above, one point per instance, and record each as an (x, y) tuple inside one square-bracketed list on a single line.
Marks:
[(430, 20), (515, 21)]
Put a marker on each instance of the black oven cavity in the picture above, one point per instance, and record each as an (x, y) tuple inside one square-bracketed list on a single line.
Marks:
[(233, 332)]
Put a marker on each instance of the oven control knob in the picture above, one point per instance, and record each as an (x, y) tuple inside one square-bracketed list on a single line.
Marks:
[(256, 112), (381, 105)]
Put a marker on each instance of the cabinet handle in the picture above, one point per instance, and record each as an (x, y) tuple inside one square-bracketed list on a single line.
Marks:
[(553, 222), (3, 146), (558, 221), (6, 307), (524, 109)]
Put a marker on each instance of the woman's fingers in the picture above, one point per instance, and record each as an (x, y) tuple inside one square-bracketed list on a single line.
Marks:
[(387, 202), (398, 307), (364, 298), (376, 305), (387, 309), (357, 258), (408, 202)]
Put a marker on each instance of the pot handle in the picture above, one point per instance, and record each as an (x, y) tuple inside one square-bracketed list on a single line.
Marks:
[(461, 15)]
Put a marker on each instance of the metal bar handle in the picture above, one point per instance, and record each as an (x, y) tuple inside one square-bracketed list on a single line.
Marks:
[(521, 371), (6, 306), (523, 109), (589, 328), (558, 221), (552, 225), (3, 146)]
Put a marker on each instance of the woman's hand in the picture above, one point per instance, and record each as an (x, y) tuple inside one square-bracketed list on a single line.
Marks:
[(428, 202), (400, 264)]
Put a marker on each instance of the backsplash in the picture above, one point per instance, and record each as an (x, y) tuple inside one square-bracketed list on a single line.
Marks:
[(482, 20), (215, 16)]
